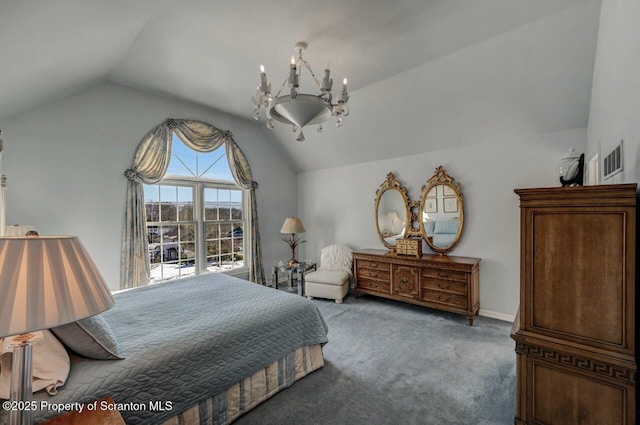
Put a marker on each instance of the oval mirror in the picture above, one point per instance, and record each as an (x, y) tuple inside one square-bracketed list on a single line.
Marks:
[(442, 210), (391, 211)]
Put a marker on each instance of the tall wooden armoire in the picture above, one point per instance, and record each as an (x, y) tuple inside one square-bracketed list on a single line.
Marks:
[(575, 332)]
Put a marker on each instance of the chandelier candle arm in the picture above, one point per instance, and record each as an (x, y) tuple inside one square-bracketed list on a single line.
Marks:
[(264, 86), (327, 81), (343, 97), (293, 73)]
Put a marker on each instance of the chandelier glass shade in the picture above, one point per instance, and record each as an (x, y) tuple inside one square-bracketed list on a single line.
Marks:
[(300, 109)]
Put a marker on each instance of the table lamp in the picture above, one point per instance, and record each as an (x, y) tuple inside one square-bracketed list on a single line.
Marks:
[(45, 281), (292, 225)]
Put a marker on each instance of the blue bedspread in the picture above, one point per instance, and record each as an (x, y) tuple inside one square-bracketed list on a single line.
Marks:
[(186, 340)]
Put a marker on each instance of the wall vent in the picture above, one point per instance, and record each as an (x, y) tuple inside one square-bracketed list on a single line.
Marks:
[(613, 162)]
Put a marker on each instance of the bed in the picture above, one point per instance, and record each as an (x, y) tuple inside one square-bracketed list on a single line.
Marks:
[(202, 350)]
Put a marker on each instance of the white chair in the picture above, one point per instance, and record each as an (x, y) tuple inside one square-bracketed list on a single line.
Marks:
[(332, 279)]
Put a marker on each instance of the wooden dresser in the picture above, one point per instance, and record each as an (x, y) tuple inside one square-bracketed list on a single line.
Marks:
[(575, 332), (442, 282)]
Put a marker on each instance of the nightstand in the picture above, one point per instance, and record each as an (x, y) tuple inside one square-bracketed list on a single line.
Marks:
[(295, 276)]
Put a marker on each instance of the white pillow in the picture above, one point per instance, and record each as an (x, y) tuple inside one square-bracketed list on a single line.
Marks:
[(50, 365)]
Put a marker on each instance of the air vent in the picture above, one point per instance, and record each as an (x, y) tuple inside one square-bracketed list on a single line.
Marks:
[(613, 162)]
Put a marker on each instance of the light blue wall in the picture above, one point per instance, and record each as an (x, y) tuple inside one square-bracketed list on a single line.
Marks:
[(615, 101), (337, 205), (64, 162)]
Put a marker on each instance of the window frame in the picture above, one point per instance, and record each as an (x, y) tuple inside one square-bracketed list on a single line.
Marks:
[(198, 185)]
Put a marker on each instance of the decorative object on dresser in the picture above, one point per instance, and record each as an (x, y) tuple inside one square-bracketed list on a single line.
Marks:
[(575, 332), (391, 211), (570, 169), (292, 225), (441, 282), (442, 212), (409, 246), (44, 282)]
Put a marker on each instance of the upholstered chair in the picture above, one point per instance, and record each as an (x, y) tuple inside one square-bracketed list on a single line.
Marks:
[(333, 277)]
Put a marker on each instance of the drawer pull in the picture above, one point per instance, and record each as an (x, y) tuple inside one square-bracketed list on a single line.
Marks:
[(373, 265), (373, 274), (404, 280), (444, 299), (372, 285), (445, 275), (442, 286)]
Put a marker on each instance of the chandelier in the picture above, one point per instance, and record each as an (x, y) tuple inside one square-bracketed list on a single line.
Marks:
[(300, 109)]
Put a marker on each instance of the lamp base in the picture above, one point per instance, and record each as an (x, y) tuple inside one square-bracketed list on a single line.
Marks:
[(22, 376), (292, 262)]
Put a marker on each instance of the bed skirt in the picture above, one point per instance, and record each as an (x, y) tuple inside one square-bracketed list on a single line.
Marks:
[(225, 407)]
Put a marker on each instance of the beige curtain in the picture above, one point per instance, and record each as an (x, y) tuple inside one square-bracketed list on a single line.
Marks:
[(149, 165)]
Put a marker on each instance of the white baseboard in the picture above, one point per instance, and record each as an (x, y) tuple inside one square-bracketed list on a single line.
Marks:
[(495, 315)]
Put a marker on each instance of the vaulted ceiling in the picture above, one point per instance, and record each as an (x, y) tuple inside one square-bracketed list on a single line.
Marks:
[(446, 72)]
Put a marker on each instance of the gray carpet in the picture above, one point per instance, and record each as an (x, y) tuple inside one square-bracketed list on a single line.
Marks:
[(393, 363)]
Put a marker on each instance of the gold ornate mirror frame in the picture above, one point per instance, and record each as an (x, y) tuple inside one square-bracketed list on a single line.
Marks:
[(387, 213), (441, 212)]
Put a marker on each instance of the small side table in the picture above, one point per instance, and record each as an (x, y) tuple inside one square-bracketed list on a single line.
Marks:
[(295, 274)]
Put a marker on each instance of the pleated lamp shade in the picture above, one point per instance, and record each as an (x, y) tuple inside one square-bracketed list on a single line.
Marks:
[(47, 281)]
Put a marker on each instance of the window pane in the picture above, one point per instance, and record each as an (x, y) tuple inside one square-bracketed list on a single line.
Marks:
[(224, 212), (153, 235), (215, 166), (210, 204), (236, 205), (151, 199), (236, 196), (185, 203), (183, 159), (168, 203), (151, 193), (224, 196), (168, 194), (236, 213), (152, 211), (187, 233), (213, 248), (212, 231), (187, 253)]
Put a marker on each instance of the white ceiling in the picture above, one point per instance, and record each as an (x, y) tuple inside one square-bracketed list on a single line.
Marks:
[(448, 69)]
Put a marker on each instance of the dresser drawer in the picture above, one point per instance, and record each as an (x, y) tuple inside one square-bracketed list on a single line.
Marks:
[(374, 285), (452, 286), (371, 264), (444, 298), (445, 274), (378, 274)]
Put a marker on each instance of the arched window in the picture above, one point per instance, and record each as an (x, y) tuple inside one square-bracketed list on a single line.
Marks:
[(195, 216), (190, 204)]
